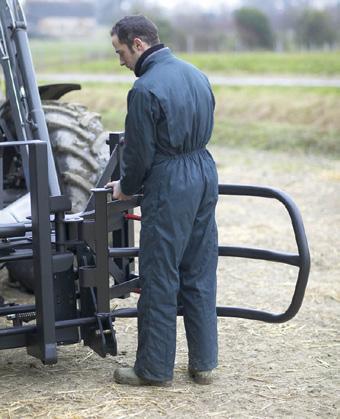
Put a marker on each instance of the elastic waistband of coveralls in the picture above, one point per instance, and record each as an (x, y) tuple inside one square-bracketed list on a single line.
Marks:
[(160, 157)]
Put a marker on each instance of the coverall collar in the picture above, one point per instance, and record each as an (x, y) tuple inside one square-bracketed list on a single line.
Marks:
[(148, 57)]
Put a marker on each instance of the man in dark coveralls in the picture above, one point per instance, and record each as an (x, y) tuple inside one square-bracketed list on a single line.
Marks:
[(168, 124)]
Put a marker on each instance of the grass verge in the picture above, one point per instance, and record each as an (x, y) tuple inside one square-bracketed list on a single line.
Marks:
[(99, 57), (305, 120)]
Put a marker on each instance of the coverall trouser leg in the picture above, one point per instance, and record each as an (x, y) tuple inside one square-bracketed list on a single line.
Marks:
[(198, 291)]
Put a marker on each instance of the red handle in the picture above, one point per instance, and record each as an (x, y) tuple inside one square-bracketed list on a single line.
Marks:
[(132, 217)]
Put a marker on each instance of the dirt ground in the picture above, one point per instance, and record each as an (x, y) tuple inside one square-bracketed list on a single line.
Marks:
[(265, 371)]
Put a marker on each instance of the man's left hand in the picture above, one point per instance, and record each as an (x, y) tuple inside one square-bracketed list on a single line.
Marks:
[(116, 191)]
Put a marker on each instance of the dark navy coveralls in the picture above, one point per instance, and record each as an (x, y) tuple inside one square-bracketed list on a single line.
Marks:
[(169, 122)]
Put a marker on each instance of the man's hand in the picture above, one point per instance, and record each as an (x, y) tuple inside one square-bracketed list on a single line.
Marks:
[(116, 191)]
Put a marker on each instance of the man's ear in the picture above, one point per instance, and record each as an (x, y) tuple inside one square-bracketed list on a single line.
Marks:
[(139, 44)]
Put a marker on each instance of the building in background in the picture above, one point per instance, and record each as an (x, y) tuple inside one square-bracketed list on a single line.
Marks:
[(60, 18)]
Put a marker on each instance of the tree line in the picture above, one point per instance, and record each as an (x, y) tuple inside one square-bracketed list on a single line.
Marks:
[(282, 25)]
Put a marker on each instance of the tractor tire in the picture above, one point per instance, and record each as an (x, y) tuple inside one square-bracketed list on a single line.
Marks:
[(21, 275), (80, 153), (79, 144)]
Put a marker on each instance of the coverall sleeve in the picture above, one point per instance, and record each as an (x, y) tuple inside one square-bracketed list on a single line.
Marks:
[(140, 140)]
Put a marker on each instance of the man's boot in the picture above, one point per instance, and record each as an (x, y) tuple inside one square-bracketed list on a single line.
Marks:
[(201, 377), (129, 377)]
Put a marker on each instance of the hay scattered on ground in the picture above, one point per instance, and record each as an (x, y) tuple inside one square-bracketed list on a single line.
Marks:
[(288, 370)]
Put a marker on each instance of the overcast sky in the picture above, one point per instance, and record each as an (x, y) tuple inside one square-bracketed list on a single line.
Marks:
[(170, 4), (211, 4)]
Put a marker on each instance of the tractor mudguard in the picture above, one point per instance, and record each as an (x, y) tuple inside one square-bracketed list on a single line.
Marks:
[(56, 91)]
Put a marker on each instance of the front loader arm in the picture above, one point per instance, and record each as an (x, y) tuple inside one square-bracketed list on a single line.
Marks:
[(21, 86)]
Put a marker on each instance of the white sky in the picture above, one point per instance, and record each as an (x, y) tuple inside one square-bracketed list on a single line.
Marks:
[(202, 4), (213, 4)]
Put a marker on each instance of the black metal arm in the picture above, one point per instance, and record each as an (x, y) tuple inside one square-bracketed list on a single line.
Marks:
[(301, 260)]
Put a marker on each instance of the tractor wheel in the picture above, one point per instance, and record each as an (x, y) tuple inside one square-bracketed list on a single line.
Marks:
[(21, 275), (80, 152), (80, 149)]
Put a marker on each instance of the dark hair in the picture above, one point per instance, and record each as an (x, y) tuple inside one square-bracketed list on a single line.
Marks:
[(136, 26)]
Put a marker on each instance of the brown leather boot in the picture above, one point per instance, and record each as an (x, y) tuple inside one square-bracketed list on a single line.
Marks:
[(129, 377), (201, 377)]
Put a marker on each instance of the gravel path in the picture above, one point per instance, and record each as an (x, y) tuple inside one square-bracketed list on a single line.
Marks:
[(265, 371)]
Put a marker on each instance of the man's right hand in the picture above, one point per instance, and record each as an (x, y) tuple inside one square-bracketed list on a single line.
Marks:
[(116, 191)]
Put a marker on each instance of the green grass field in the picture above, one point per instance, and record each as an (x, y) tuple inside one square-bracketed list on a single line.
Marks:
[(99, 57), (303, 120), (298, 120)]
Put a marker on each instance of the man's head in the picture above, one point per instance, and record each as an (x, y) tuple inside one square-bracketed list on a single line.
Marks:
[(131, 36)]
